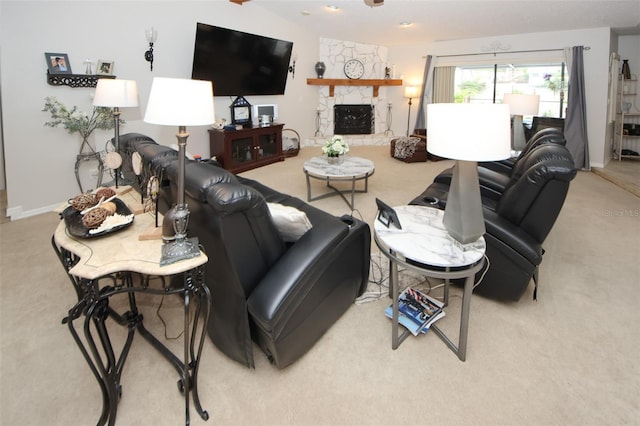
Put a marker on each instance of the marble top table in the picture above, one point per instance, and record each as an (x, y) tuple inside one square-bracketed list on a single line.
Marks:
[(346, 169), (424, 245), (423, 239), (118, 255)]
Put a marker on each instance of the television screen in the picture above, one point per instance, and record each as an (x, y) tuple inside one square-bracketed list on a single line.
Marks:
[(240, 64)]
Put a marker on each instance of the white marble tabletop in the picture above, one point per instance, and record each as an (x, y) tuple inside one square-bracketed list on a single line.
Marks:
[(121, 251), (424, 239), (349, 167)]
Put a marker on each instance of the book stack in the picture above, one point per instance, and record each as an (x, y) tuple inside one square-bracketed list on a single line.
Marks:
[(416, 310)]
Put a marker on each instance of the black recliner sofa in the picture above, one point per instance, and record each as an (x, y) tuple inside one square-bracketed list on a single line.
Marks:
[(518, 218), (281, 295)]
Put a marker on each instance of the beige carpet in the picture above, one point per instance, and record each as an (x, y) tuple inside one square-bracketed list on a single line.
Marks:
[(571, 358)]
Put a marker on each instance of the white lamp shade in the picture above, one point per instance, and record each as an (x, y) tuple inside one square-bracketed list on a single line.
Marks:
[(180, 102), (469, 132), (116, 93), (410, 92), (520, 104)]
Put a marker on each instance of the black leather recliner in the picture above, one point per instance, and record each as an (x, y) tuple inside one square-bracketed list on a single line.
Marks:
[(282, 296), (547, 135), (518, 221), (493, 184)]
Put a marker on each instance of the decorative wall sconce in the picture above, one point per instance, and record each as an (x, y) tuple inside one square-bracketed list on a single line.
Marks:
[(292, 67), (151, 36)]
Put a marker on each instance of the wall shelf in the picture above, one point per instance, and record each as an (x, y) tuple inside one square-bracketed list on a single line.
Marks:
[(333, 82), (75, 80)]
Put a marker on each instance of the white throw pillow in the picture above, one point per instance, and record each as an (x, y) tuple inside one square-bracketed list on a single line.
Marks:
[(291, 222)]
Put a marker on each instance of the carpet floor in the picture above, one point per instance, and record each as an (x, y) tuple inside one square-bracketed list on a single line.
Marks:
[(568, 358)]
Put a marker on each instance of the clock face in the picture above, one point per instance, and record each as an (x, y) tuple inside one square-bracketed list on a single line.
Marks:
[(353, 68)]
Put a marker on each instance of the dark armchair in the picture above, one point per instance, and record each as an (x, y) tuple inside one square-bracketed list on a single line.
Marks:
[(547, 135), (518, 221), (281, 294)]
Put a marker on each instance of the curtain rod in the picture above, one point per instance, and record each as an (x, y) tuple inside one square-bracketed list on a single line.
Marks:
[(504, 52)]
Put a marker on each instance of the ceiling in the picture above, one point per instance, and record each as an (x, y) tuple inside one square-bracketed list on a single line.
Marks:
[(439, 20)]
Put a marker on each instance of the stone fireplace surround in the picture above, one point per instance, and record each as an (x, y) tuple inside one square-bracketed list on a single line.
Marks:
[(334, 53)]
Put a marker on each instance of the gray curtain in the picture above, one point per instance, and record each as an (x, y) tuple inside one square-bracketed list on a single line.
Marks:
[(420, 117), (575, 124)]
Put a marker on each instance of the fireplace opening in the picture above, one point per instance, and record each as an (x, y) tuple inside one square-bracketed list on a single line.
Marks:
[(353, 119)]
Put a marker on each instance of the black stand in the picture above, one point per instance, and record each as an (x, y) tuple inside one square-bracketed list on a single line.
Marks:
[(93, 302)]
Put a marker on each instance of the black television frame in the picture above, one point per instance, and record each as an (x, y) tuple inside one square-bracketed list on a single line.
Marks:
[(240, 63)]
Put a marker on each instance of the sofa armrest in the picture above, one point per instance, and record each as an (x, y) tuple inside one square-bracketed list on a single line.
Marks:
[(513, 236), (327, 257)]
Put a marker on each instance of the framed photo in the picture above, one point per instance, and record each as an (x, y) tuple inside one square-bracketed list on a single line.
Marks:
[(58, 63), (105, 67)]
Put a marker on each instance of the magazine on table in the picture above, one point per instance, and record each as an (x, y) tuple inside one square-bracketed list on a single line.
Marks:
[(416, 310)]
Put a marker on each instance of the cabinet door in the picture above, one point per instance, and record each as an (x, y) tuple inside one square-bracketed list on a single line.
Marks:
[(241, 151), (267, 145)]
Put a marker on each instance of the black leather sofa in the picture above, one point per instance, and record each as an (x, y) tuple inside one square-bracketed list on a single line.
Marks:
[(519, 212), (282, 296)]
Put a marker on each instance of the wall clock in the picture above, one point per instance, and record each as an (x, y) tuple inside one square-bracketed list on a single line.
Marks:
[(240, 111), (353, 69)]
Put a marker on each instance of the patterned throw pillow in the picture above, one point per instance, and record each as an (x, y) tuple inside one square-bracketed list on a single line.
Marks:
[(405, 147)]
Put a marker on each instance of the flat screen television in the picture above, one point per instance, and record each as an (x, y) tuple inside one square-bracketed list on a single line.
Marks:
[(239, 63)]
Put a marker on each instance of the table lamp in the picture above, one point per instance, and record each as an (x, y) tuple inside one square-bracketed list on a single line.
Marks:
[(180, 102), (116, 94), (520, 105), (410, 92), (467, 133)]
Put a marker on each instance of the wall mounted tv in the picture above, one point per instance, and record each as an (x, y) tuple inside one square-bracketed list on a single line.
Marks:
[(240, 64)]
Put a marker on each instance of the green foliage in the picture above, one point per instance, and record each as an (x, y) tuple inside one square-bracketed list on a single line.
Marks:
[(553, 82), (468, 89), (75, 121)]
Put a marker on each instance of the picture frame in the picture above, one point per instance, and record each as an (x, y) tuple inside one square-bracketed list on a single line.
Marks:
[(105, 67), (58, 63), (387, 215)]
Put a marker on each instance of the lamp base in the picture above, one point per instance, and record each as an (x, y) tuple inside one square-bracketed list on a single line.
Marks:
[(518, 140), (179, 250), (475, 245), (463, 216)]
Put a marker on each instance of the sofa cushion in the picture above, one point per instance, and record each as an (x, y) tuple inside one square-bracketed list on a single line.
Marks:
[(291, 222)]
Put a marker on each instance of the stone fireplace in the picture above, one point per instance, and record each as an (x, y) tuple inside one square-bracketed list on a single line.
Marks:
[(353, 119)]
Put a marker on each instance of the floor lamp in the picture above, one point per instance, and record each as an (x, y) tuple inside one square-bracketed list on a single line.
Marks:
[(410, 92), (467, 133), (182, 103), (519, 105), (116, 94)]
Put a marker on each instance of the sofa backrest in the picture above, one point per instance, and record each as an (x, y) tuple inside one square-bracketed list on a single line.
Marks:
[(534, 200), (233, 222), (544, 136)]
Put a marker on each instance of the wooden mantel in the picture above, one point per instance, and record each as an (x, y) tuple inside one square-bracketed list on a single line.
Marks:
[(333, 82)]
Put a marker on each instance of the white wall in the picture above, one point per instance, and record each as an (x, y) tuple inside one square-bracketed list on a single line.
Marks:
[(39, 160), (410, 61)]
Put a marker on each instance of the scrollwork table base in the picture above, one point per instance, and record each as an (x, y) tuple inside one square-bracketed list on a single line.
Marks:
[(103, 267)]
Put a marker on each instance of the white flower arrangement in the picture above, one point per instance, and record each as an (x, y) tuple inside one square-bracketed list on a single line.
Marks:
[(335, 147)]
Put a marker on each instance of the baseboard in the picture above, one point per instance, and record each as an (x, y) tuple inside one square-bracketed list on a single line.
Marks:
[(16, 213)]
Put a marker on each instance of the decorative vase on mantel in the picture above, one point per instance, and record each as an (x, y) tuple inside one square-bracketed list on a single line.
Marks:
[(626, 72), (320, 69)]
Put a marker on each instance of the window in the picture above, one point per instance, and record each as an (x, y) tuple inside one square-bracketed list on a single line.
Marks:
[(488, 84)]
